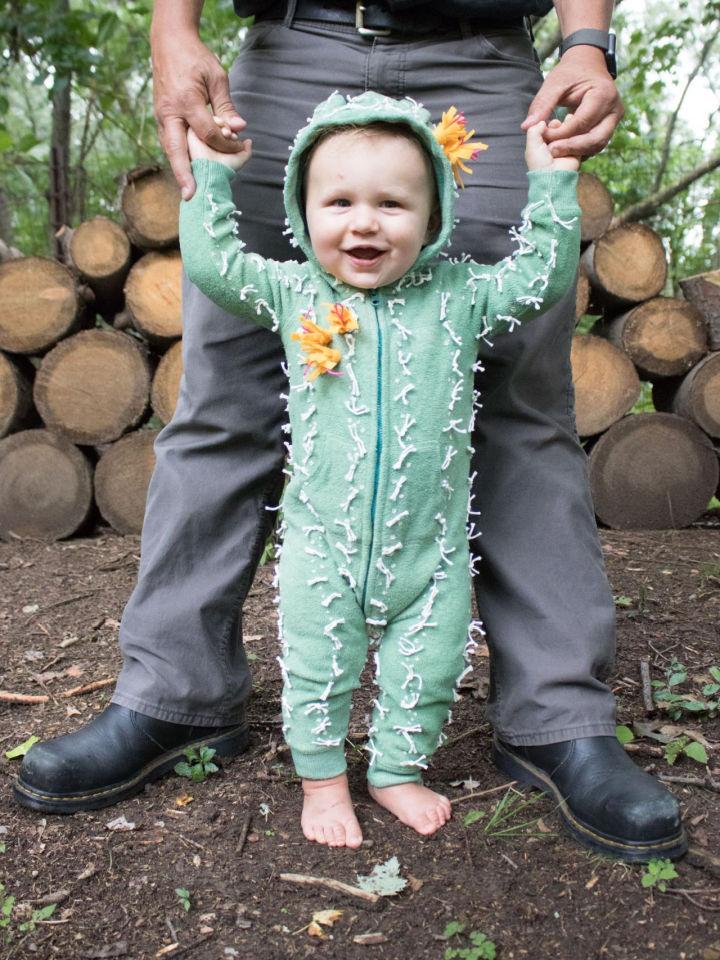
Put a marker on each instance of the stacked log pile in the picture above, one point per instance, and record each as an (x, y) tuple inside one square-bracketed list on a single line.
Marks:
[(91, 361), (649, 470)]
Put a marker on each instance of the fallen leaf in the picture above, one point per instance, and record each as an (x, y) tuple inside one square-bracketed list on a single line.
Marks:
[(327, 917), (206, 930), (385, 879), (183, 800), (75, 670), (34, 655), (120, 823), (468, 784), (31, 608), (71, 711), (315, 930), (591, 882), (542, 826), (414, 883), (88, 872), (168, 949), (22, 748)]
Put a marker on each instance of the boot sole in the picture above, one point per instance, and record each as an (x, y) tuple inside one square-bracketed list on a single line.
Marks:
[(229, 744), (632, 851)]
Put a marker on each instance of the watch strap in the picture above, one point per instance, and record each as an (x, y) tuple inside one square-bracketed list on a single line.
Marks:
[(593, 38)]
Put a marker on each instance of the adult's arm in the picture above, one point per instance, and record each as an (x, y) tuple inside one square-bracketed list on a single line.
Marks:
[(187, 76), (581, 82)]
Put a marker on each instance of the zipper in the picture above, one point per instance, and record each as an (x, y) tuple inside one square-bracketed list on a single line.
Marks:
[(376, 303)]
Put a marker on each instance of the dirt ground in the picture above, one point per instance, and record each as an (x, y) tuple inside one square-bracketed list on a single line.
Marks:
[(529, 889)]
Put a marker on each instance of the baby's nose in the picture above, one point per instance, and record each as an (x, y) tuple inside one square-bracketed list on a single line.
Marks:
[(364, 220)]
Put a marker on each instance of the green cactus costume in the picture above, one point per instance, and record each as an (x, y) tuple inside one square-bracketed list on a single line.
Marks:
[(377, 514)]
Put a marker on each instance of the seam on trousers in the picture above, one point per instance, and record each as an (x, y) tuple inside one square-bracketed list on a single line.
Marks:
[(246, 580), (535, 738)]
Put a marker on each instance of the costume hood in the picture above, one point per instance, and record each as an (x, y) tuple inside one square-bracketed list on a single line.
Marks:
[(338, 111)]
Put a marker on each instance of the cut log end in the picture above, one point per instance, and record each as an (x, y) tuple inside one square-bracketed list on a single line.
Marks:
[(166, 383), (39, 304), (16, 405), (122, 477), (626, 265), (596, 204), (606, 384), (652, 471), (45, 486), (93, 387), (152, 295), (151, 207), (664, 337)]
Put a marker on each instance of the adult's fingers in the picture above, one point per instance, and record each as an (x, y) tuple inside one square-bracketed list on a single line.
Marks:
[(173, 137), (222, 106), (593, 106), (586, 144)]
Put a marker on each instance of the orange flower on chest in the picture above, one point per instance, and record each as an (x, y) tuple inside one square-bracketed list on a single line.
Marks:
[(314, 342), (342, 319)]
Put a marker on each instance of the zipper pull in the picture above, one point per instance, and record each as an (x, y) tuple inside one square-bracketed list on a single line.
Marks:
[(375, 298)]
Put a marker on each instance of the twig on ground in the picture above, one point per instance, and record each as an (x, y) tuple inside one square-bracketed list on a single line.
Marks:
[(60, 603), (171, 928), (683, 893), (485, 793), (461, 736), (644, 749), (708, 782), (7, 696), (243, 835), (646, 687), (704, 860), (337, 885), (89, 687)]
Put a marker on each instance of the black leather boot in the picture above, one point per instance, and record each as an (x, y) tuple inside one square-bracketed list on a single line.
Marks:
[(605, 801), (112, 758)]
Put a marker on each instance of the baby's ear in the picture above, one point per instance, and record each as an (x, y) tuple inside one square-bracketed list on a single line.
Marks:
[(433, 227)]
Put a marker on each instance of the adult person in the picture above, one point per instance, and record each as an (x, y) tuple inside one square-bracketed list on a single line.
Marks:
[(541, 586)]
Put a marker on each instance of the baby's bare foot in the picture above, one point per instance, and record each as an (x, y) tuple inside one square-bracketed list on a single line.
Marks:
[(328, 815), (414, 805)]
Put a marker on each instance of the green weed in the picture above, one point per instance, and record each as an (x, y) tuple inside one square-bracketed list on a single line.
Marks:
[(481, 948), (184, 897), (199, 765), (505, 820), (656, 873), (679, 703), (7, 905), (685, 745)]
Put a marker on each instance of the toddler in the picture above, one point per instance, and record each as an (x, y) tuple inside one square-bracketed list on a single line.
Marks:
[(380, 333)]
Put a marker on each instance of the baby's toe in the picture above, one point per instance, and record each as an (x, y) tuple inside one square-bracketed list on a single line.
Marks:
[(336, 835)]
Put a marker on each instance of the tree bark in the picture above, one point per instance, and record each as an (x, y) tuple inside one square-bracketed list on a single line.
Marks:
[(60, 206)]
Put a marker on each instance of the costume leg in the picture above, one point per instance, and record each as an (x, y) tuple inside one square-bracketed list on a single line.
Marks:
[(418, 662), (324, 646), (541, 587)]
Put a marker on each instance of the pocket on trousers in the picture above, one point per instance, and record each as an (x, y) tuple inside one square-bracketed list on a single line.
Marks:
[(512, 45), (255, 38)]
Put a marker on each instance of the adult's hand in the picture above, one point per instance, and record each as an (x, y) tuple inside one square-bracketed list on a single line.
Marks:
[(187, 77), (580, 81)]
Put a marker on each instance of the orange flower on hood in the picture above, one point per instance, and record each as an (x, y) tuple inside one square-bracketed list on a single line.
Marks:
[(342, 319), (456, 141)]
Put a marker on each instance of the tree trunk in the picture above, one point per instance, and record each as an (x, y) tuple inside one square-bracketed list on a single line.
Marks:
[(606, 384), (122, 477), (652, 471), (45, 486), (152, 295), (664, 337), (93, 387), (60, 206)]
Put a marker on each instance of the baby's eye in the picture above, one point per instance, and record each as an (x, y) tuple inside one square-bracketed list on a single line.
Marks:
[(391, 203), (340, 202)]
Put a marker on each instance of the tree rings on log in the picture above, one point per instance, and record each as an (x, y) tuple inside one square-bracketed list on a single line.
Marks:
[(664, 337), (596, 204), (606, 384), (626, 265), (150, 204), (652, 471), (153, 297), (703, 291), (166, 383), (697, 396), (39, 304), (45, 486), (100, 251), (122, 477), (93, 387), (16, 404)]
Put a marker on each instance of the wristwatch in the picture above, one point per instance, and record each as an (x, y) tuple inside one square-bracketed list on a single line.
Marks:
[(594, 38)]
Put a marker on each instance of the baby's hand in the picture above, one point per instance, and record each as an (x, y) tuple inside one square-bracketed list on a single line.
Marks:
[(200, 150), (537, 152)]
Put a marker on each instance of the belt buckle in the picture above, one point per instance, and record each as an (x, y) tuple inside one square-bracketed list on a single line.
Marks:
[(362, 29)]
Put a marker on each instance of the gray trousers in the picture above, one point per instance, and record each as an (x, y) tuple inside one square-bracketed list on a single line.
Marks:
[(542, 591)]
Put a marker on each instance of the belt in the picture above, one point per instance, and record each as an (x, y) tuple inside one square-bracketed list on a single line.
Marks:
[(377, 20)]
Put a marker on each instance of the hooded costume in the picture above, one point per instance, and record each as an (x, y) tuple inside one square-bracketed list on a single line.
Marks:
[(382, 406)]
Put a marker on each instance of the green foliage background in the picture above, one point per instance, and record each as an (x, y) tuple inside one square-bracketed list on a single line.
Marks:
[(103, 49)]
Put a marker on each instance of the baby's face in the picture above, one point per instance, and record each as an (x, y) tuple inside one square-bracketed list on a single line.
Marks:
[(368, 209)]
